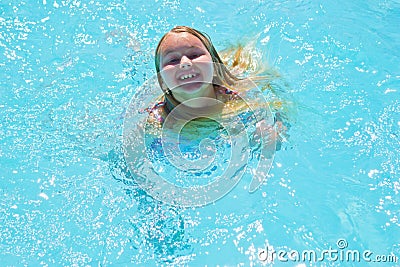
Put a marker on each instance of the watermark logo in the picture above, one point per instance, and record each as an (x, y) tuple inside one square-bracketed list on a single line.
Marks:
[(153, 141), (342, 243), (340, 253)]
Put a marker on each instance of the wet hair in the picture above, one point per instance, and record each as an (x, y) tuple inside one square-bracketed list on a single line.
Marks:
[(223, 75)]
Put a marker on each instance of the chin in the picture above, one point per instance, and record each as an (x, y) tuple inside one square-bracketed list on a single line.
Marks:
[(193, 87)]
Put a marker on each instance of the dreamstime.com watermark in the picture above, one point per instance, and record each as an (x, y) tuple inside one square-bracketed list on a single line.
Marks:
[(340, 253)]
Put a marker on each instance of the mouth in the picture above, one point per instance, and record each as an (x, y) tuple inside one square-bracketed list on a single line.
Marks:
[(188, 77)]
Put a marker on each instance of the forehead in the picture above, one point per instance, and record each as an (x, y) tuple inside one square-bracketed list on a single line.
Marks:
[(175, 41)]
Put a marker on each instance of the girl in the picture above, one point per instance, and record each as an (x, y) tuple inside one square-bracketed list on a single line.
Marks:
[(168, 150), (193, 76)]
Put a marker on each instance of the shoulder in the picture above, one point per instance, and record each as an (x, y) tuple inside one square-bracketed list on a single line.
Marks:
[(157, 113), (225, 94)]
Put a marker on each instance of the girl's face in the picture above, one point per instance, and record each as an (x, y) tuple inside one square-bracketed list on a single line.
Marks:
[(186, 67)]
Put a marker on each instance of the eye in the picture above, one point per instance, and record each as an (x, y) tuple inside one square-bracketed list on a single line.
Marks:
[(173, 60), (195, 55)]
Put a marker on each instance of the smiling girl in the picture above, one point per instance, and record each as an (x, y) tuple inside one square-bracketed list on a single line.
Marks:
[(193, 76), (209, 126)]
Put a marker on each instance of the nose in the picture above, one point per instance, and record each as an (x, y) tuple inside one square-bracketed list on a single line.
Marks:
[(185, 63)]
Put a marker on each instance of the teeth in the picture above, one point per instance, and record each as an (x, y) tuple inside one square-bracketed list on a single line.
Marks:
[(187, 76)]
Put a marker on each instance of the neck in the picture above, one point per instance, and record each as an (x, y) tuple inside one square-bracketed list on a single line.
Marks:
[(201, 106), (206, 98), (201, 102)]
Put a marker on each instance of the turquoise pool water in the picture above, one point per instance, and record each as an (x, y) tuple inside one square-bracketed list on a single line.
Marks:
[(69, 70)]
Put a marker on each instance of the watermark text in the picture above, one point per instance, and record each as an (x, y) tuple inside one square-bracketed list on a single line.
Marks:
[(339, 253)]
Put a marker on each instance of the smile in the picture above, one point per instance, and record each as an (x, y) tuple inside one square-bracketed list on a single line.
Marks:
[(188, 76)]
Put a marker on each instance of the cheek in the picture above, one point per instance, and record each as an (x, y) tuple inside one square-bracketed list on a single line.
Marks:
[(206, 67), (209, 69), (211, 66), (167, 74)]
